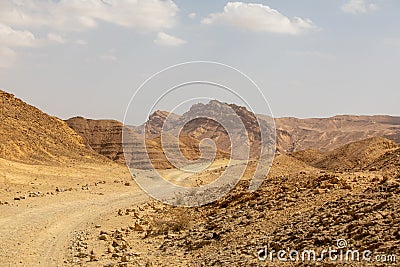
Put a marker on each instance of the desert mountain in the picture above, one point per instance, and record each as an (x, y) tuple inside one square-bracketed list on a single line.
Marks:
[(330, 133), (152, 127), (31, 136), (292, 134), (103, 136), (354, 156), (203, 121), (311, 138)]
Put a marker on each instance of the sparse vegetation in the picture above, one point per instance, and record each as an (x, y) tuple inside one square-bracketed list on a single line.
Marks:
[(177, 220)]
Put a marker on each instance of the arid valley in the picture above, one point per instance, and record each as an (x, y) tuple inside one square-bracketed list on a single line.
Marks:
[(68, 199), (199, 133)]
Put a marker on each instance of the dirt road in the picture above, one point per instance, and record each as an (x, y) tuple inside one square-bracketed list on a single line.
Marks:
[(39, 234)]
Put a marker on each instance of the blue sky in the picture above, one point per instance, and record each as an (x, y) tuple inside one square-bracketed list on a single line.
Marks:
[(310, 58)]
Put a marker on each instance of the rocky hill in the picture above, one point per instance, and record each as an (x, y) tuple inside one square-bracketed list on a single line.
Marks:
[(354, 156), (232, 116), (153, 126), (103, 136), (29, 135), (313, 137), (389, 163), (329, 133)]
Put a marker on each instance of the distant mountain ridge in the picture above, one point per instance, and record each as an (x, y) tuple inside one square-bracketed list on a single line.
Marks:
[(359, 155), (292, 134), (329, 133), (27, 134)]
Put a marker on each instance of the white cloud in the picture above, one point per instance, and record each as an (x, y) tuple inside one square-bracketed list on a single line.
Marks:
[(168, 40), (192, 15), (55, 38), (358, 7), (77, 15), (7, 57), (11, 38), (258, 18)]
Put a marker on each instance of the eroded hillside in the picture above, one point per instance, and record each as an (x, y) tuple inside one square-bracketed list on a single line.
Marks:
[(31, 136)]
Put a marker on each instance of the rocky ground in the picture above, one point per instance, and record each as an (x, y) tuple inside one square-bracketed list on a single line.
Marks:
[(297, 208), (70, 217)]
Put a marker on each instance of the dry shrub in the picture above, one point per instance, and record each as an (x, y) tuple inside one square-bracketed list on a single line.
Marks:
[(174, 220)]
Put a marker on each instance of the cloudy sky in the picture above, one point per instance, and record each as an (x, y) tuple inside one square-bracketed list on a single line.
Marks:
[(310, 58)]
